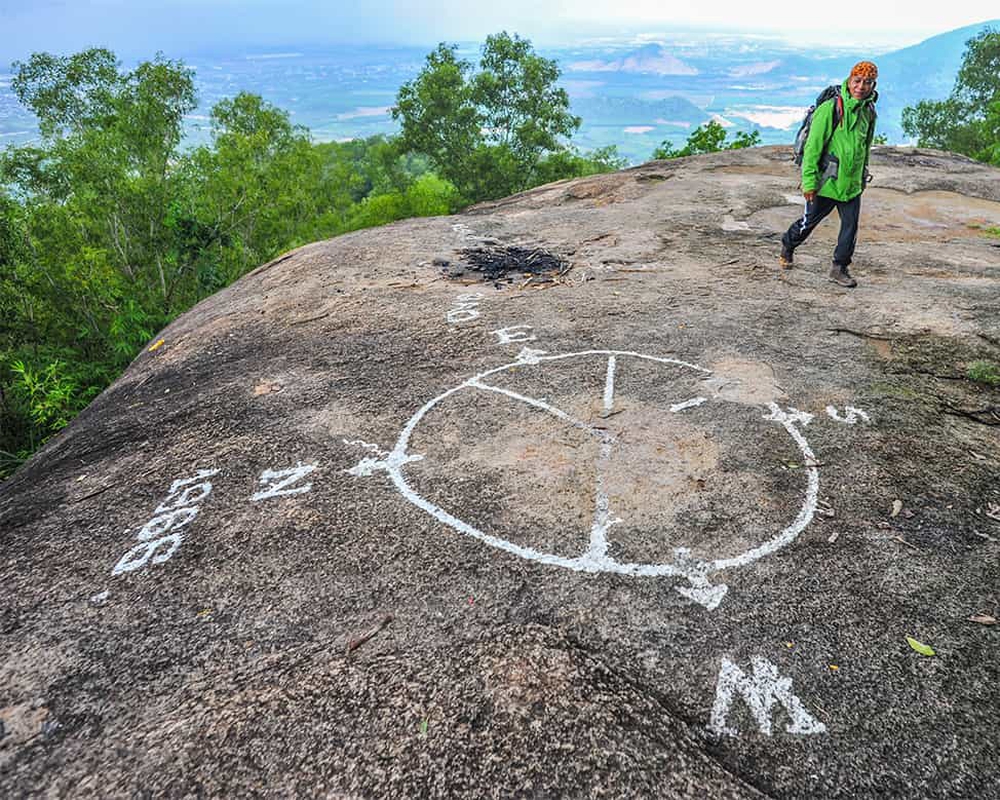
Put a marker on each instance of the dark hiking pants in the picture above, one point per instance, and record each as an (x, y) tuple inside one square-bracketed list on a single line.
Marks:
[(815, 212)]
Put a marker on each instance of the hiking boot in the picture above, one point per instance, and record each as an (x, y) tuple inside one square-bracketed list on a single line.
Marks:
[(785, 259), (842, 277)]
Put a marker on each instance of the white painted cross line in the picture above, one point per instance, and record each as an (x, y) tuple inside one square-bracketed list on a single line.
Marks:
[(597, 553), (692, 403), (609, 385), (475, 383), (598, 550), (595, 558), (761, 690)]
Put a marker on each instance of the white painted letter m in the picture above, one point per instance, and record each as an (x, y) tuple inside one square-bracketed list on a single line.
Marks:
[(760, 691)]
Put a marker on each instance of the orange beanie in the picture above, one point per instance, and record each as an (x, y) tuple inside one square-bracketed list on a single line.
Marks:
[(864, 69)]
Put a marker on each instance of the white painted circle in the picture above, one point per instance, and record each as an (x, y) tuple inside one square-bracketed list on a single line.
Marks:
[(592, 561)]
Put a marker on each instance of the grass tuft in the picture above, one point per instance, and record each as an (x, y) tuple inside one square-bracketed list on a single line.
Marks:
[(984, 372)]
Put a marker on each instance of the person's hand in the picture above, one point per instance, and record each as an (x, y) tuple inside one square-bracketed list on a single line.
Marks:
[(809, 196)]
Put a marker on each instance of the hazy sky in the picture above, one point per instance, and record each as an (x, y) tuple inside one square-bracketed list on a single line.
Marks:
[(139, 27)]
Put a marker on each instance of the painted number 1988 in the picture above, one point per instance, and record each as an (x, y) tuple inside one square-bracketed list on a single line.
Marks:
[(161, 536)]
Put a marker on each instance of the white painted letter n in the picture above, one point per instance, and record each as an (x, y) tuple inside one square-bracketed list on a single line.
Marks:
[(278, 483)]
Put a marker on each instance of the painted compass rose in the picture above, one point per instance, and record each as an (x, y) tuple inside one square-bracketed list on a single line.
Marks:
[(608, 446)]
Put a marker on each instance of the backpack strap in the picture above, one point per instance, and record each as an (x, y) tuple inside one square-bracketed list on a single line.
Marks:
[(838, 116)]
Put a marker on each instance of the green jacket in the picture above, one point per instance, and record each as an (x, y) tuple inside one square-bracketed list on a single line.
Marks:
[(850, 144)]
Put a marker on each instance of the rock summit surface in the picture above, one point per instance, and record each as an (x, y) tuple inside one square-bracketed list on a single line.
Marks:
[(574, 494)]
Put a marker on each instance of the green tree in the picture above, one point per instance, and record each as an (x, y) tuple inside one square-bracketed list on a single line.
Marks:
[(88, 269), (68, 94), (571, 163), (522, 108), (259, 188), (708, 138), (438, 114), (108, 229), (97, 185), (968, 121), (486, 132)]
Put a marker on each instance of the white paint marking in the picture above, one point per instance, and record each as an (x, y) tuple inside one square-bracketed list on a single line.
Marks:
[(361, 443), (695, 572), (808, 509), (852, 415), (760, 691), (531, 401), (692, 403), (466, 308), (190, 496), (609, 385), (169, 520), (199, 475), (699, 589), (366, 467), (789, 417), (142, 554), (597, 552), (708, 596), (276, 482), (529, 356), (161, 535), (369, 466), (514, 333), (462, 314), (581, 563)]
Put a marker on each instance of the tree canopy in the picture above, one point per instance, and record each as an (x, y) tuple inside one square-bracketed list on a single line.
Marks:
[(707, 138), (490, 132), (109, 228), (968, 120)]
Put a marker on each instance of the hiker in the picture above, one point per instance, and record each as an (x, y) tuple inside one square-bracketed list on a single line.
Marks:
[(835, 167)]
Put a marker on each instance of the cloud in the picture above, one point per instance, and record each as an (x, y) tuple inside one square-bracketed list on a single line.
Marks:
[(747, 70), (365, 111), (781, 117), (140, 27)]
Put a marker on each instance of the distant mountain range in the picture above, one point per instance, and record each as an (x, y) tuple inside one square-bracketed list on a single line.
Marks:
[(653, 59), (630, 94), (755, 84)]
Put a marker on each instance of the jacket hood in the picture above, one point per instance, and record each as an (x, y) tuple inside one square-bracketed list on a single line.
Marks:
[(846, 94), (852, 106)]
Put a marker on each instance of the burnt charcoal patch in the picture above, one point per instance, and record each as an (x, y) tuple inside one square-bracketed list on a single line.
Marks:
[(507, 264)]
